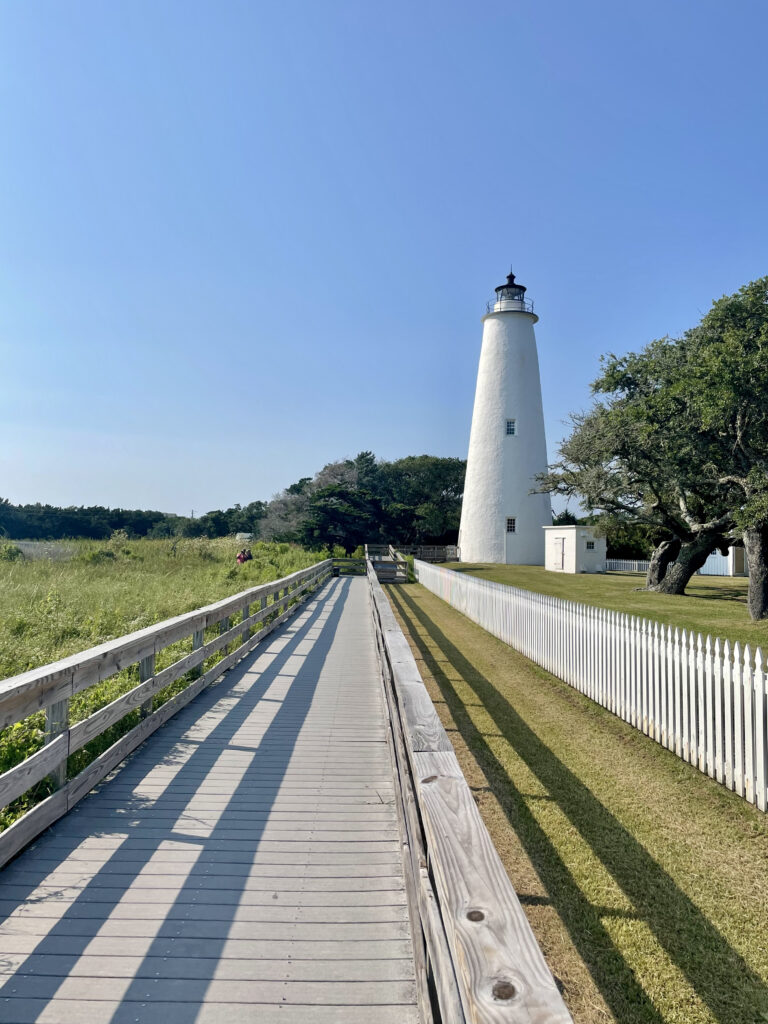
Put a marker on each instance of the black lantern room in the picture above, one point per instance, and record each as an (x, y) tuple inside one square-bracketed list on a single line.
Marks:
[(510, 291), (510, 297)]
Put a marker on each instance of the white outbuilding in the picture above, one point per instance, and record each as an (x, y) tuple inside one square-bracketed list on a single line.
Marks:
[(733, 563), (574, 549)]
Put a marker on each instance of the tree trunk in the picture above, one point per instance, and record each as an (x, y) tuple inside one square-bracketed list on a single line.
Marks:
[(661, 558), (756, 546), (693, 554)]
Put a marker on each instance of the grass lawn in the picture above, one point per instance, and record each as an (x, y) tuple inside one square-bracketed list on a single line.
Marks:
[(712, 604), (645, 882)]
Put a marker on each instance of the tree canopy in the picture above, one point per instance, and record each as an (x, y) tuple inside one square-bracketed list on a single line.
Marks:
[(412, 500), (677, 441)]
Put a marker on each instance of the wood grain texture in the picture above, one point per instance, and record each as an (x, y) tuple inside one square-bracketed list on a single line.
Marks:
[(56, 723), (19, 779), (17, 705), (426, 921), (503, 973), (420, 720)]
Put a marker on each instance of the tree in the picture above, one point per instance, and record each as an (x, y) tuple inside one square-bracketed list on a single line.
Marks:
[(639, 457), (50, 522), (367, 471), (341, 516), (412, 500), (421, 495), (564, 518), (726, 387), (626, 539), (679, 441)]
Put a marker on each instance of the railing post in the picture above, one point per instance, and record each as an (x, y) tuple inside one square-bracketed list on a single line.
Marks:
[(247, 630), (223, 627), (198, 639), (57, 722), (146, 671)]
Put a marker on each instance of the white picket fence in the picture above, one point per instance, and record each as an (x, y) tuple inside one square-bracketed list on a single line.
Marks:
[(715, 565), (703, 699), (625, 565)]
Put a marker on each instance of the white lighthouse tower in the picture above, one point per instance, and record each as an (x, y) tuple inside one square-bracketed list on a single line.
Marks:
[(501, 521)]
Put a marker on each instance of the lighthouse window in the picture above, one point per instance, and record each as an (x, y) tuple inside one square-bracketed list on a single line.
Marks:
[(510, 524), (511, 427)]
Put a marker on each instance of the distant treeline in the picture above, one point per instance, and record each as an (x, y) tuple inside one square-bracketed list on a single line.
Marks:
[(415, 500), (49, 522), (412, 500)]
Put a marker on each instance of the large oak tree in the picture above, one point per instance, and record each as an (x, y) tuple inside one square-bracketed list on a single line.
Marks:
[(678, 439)]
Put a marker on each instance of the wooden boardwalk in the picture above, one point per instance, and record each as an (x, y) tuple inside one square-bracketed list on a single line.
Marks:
[(244, 865)]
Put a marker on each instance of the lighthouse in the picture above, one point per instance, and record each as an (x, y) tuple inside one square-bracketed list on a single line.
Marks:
[(501, 521)]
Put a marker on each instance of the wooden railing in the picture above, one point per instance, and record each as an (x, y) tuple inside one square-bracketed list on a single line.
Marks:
[(349, 567), (51, 687), (477, 958), (432, 552), (389, 564)]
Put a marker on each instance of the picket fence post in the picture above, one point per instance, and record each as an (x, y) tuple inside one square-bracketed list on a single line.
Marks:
[(749, 733), (738, 721), (728, 709), (760, 746)]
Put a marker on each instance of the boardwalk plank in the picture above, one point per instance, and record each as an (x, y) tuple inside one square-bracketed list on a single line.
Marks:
[(207, 912), (224, 898), (361, 993), (61, 966), (194, 928), (75, 1011)]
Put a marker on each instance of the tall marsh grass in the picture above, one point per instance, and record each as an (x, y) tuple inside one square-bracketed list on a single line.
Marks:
[(105, 589)]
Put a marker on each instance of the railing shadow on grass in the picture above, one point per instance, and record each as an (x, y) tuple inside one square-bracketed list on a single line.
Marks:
[(723, 980), (186, 975)]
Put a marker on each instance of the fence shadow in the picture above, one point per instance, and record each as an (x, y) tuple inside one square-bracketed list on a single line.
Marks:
[(721, 978), (175, 967)]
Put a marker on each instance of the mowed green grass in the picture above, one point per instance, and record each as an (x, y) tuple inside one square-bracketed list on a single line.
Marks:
[(50, 609), (712, 604), (645, 882)]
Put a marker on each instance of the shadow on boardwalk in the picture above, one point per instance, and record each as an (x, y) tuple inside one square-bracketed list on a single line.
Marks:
[(167, 961), (725, 983)]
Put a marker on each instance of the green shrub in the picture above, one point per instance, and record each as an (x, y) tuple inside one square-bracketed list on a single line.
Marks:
[(98, 557), (10, 553)]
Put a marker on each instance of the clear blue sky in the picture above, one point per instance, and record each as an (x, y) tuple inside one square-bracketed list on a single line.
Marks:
[(239, 240)]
